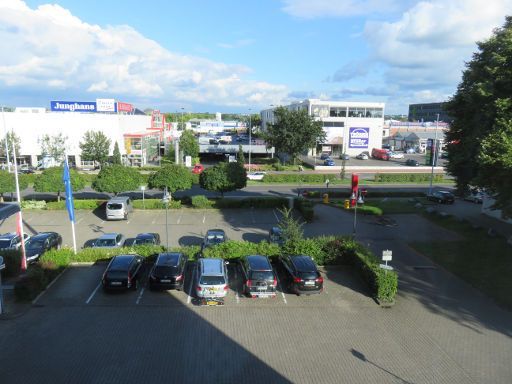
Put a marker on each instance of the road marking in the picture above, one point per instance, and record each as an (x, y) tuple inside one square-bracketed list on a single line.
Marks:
[(140, 296), (204, 217), (153, 221), (275, 215), (102, 221), (189, 298), (280, 286), (93, 293), (127, 222), (237, 297), (79, 220), (179, 218)]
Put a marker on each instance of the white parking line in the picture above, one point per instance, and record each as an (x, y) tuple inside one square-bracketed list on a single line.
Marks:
[(102, 221), (140, 296), (189, 298), (204, 217), (93, 293), (237, 296), (127, 222), (153, 221), (79, 220), (280, 286), (275, 215), (179, 218)]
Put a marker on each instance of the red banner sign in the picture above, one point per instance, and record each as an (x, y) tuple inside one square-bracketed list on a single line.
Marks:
[(124, 107)]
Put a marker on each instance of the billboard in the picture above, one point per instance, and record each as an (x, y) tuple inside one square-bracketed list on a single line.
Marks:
[(358, 137), (73, 106), (124, 107), (106, 105)]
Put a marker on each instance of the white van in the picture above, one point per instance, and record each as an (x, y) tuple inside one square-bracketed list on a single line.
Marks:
[(118, 208)]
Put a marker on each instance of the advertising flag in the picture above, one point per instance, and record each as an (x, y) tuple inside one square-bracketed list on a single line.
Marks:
[(69, 192)]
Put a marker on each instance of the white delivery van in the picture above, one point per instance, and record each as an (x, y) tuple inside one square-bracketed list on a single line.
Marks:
[(118, 208)]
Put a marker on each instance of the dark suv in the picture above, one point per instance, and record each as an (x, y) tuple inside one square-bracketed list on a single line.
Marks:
[(123, 272), (302, 275), (442, 197), (258, 276), (168, 271)]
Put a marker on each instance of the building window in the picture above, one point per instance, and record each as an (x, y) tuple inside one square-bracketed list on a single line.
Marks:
[(320, 110), (338, 112), (333, 124), (356, 112)]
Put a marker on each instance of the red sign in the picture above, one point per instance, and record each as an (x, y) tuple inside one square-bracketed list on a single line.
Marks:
[(124, 107)]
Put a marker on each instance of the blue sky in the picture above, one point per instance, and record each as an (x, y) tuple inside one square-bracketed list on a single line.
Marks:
[(232, 56)]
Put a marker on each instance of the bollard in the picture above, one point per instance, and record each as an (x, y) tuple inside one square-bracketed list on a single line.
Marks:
[(325, 198)]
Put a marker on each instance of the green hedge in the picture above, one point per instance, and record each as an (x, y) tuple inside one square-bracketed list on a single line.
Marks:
[(201, 201), (34, 204), (79, 204), (406, 177), (239, 249), (12, 260), (305, 207), (255, 202), (155, 204), (300, 177)]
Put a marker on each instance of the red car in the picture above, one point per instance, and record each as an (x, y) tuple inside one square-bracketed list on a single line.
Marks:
[(198, 168)]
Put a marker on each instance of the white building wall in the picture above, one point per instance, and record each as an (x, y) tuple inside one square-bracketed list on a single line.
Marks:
[(31, 127)]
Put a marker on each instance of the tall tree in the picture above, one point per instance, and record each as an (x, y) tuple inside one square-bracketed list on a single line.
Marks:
[(116, 155), (174, 177), (95, 147), (480, 136), (11, 138), (189, 144), (291, 231), (51, 181), (8, 183), (224, 177), (294, 132), (54, 146), (116, 179), (241, 155)]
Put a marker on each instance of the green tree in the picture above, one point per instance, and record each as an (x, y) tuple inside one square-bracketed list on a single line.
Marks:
[(54, 146), (116, 155), (294, 132), (10, 137), (189, 144), (224, 177), (174, 177), (291, 231), (116, 179), (480, 135), (8, 183), (241, 155), (51, 181), (95, 147)]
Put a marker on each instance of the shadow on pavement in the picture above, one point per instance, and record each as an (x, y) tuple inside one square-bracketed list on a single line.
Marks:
[(190, 240)]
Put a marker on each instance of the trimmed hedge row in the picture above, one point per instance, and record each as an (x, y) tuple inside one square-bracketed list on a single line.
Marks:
[(155, 204), (254, 202), (406, 177), (79, 204), (300, 177), (201, 201), (305, 207)]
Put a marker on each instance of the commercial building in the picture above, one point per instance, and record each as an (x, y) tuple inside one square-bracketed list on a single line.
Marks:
[(350, 127), (424, 112), (139, 136), (405, 135)]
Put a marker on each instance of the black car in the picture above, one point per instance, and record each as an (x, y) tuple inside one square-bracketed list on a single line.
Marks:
[(258, 276), (147, 239), (12, 240), (412, 163), (40, 243), (213, 237), (442, 197), (303, 276), (123, 272), (168, 272)]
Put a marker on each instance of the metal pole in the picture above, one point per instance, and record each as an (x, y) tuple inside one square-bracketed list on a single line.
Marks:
[(355, 217), (166, 224), (6, 144), (20, 216), (250, 140), (433, 152)]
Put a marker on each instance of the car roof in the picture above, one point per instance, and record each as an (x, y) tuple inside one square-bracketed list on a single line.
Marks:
[(215, 232), (259, 262), (108, 236), (42, 235), (303, 263), (445, 192), (121, 261), (169, 259), (119, 198), (211, 266), (145, 236)]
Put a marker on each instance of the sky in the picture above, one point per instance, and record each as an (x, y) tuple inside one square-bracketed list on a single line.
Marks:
[(239, 56)]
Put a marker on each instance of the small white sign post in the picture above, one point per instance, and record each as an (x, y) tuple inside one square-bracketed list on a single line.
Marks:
[(188, 161), (143, 188), (387, 255)]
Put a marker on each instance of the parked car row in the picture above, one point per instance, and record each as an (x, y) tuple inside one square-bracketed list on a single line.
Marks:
[(35, 246)]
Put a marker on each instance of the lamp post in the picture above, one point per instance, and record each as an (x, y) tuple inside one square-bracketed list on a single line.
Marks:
[(182, 121), (165, 200), (433, 153), (250, 140)]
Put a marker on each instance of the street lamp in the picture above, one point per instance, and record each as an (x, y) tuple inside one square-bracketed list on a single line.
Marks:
[(165, 200)]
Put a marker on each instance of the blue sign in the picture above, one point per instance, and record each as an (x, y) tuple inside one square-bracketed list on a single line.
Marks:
[(358, 137), (73, 106)]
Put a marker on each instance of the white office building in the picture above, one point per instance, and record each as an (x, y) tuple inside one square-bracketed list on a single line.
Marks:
[(350, 127)]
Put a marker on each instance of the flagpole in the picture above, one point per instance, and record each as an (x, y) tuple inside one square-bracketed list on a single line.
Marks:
[(74, 237), (20, 216)]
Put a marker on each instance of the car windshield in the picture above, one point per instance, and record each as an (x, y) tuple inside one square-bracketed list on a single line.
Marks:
[(144, 240), (308, 275), (105, 242), (4, 243), (215, 239), (34, 244), (114, 206), (212, 280)]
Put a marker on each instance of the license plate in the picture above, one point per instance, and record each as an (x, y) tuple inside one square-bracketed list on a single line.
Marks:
[(262, 288), (115, 283), (214, 302), (165, 281), (309, 283)]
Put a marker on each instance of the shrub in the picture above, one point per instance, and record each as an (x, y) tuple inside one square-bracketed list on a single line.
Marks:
[(305, 207), (406, 177), (79, 204), (12, 260), (201, 201), (255, 202), (32, 283), (34, 204), (299, 177), (239, 249), (155, 204), (368, 210)]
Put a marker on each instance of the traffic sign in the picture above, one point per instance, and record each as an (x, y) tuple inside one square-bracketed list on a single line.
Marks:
[(385, 266), (387, 255)]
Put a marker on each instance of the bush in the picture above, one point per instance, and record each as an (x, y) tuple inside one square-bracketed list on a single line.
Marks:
[(233, 250), (31, 284), (201, 201), (299, 177), (12, 260), (406, 177), (254, 202), (34, 204), (79, 204), (155, 204), (368, 210), (305, 207)]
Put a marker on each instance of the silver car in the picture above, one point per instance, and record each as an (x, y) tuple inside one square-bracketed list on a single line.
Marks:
[(212, 278), (109, 240)]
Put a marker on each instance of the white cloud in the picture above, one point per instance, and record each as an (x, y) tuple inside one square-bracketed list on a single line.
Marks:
[(237, 44), (50, 48), (311, 9)]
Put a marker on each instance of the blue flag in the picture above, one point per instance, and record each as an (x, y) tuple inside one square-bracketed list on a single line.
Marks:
[(70, 206)]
